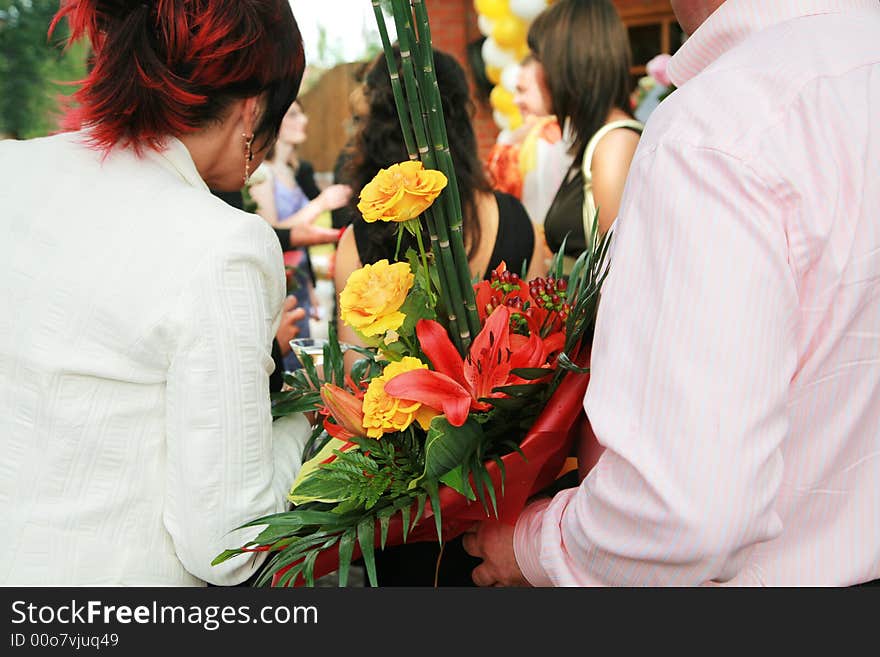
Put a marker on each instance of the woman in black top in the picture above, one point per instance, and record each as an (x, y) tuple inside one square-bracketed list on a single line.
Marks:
[(588, 82), (496, 228)]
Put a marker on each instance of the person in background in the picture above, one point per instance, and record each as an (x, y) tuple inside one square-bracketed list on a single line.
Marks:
[(587, 80), (357, 107), (135, 419), (531, 161), (496, 228), (289, 199), (735, 380)]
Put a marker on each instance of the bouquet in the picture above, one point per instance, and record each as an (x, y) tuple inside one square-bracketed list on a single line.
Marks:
[(461, 405)]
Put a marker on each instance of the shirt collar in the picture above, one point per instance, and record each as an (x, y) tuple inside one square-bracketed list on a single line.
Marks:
[(735, 20), (176, 159)]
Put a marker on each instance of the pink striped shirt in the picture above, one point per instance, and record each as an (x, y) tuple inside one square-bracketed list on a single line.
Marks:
[(736, 365)]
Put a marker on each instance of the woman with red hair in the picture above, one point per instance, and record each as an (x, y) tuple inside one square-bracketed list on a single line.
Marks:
[(138, 310)]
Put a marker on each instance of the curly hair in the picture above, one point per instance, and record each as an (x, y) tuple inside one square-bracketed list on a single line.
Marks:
[(379, 143)]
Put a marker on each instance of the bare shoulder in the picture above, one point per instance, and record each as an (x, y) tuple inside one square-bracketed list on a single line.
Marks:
[(615, 151), (347, 258)]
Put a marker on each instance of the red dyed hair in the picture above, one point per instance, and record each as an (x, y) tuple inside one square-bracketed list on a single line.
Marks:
[(169, 67)]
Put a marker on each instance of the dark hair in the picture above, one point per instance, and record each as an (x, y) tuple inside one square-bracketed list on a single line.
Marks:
[(379, 143), (584, 49), (169, 67)]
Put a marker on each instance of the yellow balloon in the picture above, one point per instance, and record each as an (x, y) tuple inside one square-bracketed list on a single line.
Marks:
[(522, 50), (492, 8), (502, 100), (515, 119), (494, 74), (509, 31)]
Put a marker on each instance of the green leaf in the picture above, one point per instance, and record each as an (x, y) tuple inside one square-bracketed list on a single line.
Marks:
[(420, 509), (333, 358), (311, 371), (289, 578), (457, 480), (520, 390), (318, 487), (366, 535), (309, 567), (531, 373), (508, 405), (295, 519), (226, 554), (384, 521), (433, 493), (447, 447), (503, 471), (302, 404), (479, 488), (567, 364), (404, 514), (417, 306), (483, 474)]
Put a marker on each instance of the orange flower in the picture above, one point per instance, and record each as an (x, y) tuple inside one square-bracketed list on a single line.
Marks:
[(386, 414), (373, 295), (401, 192)]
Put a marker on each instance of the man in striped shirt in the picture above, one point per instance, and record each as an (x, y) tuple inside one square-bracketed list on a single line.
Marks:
[(736, 365)]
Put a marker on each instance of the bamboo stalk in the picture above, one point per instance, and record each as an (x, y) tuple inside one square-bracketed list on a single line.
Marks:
[(444, 255), (395, 82), (410, 125), (444, 158)]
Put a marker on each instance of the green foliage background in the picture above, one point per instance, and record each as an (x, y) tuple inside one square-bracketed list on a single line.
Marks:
[(33, 68)]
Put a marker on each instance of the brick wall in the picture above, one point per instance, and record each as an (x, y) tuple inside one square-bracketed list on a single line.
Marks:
[(453, 27)]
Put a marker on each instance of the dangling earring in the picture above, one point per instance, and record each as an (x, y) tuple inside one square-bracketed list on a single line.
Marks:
[(248, 155)]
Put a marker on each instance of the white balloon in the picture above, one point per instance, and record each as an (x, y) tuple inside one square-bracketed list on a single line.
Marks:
[(510, 76), (495, 55), (500, 120), (527, 9), (485, 24)]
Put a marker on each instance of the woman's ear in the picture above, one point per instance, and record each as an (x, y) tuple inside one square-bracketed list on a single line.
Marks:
[(249, 110)]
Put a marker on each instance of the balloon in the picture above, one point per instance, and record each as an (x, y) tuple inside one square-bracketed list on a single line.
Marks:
[(509, 31), (509, 77), (494, 55), (491, 8), (501, 120), (494, 74), (486, 25), (502, 100), (515, 119), (527, 9)]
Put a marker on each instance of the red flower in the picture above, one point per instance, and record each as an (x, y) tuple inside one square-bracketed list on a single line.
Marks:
[(346, 409), (458, 386), (504, 289)]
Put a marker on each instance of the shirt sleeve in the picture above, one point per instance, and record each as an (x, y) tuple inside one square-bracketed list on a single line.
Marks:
[(227, 462), (694, 351)]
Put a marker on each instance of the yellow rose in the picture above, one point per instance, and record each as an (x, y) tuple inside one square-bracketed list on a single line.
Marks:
[(385, 414), (373, 295), (401, 192)]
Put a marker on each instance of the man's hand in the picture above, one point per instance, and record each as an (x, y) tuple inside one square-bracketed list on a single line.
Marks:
[(288, 329), (492, 541)]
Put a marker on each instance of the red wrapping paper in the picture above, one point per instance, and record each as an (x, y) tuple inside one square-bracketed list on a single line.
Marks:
[(546, 446)]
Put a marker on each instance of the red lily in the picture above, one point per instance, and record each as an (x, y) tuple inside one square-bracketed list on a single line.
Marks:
[(458, 386), (346, 409)]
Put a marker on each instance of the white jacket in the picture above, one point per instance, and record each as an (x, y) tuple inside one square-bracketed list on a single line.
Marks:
[(136, 318)]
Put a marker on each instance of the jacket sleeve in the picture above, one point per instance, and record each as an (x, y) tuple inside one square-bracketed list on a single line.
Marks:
[(227, 462)]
